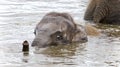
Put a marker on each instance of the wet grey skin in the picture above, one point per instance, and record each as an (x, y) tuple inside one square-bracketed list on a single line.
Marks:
[(81, 35), (57, 29)]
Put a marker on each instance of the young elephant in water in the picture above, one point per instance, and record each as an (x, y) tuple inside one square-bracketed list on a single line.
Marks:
[(57, 28), (103, 11)]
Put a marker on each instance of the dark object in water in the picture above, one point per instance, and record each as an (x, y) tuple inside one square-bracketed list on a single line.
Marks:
[(25, 46)]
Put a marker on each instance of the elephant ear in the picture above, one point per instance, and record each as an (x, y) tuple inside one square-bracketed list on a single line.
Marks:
[(68, 30), (63, 27)]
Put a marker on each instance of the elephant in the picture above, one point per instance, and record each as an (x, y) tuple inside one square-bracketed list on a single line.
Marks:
[(103, 11), (57, 29)]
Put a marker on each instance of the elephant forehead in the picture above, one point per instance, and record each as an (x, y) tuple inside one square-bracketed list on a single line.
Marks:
[(48, 28)]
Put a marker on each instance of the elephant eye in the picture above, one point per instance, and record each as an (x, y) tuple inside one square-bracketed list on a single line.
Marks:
[(59, 37)]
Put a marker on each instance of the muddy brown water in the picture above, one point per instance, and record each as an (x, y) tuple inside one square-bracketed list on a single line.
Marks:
[(17, 22)]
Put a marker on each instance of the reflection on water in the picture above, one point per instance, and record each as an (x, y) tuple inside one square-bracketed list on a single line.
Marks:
[(63, 50), (110, 30), (17, 22)]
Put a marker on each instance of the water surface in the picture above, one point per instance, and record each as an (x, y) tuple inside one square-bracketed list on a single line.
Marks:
[(18, 19)]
